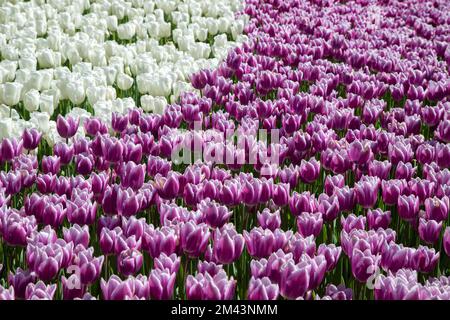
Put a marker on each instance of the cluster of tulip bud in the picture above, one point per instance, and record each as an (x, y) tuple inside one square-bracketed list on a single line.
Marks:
[(311, 161)]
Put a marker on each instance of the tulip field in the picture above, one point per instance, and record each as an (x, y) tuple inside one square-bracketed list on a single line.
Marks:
[(224, 150)]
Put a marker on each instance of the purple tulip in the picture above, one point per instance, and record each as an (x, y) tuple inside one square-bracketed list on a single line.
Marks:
[(94, 126), (446, 241), (161, 283), (294, 280), (7, 294), (116, 289), (112, 150), (40, 291), (408, 207), (262, 242), (194, 238), (158, 241), (364, 264), (31, 138), (206, 287), (132, 175), (331, 254), (67, 127), (309, 170), (367, 192), (227, 244), (262, 289), (72, 288), (20, 280), (128, 202), (269, 220), (129, 262), (309, 224), (437, 209), (170, 262), (64, 152), (119, 122), (429, 230), (214, 214), (332, 183), (376, 218), (77, 235)]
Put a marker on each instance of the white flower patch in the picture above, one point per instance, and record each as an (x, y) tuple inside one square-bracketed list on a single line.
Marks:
[(85, 57)]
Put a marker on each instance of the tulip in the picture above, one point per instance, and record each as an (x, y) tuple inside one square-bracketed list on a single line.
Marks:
[(168, 188), (269, 220), (78, 235), (446, 241), (20, 280), (72, 288), (227, 244), (408, 207), (112, 150), (92, 126), (129, 262), (378, 219), (309, 224), (194, 238), (67, 127), (158, 241), (116, 289), (332, 183), (429, 231), (64, 152), (309, 171), (424, 259), (214, 215), (132, 175), (437, 209), (364, 264), (119, 122), (40, 291), (31, 138), (161, 283), (128, 202), (262, 289), (299, 245), (294, 280), (367, 193), (107, 241), (331, 253), (170, 262), (339, 292), (206, 287), (51, 164)]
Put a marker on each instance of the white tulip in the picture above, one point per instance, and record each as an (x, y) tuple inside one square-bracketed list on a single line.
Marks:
[(73, 55), (46, 104), (28, 62), (76, 92), (6, 128), (110, 74), (41, 27), (41, 120), (31, 100), (47, 77), (124, 81), (112, 23), (126, 31), (95, 94), (11, 93), (34, 80), (46, 58)]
